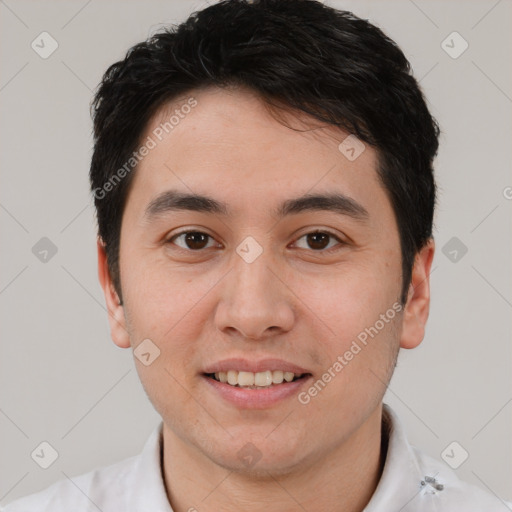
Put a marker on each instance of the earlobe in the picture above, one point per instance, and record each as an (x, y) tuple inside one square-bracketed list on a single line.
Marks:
[(116, 316), (418, 299)]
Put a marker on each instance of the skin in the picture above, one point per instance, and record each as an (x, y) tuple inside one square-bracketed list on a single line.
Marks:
[(294, 302)]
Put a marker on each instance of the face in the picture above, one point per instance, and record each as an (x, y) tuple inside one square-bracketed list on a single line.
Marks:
[(260, 278)]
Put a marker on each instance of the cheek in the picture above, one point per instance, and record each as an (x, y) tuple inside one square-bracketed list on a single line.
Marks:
[(356, 317), (170, 309), (347, 299), (162, 299)]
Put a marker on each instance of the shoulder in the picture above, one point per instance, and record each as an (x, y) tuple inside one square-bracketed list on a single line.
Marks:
[(450, 492), (103, 488), (413, 481)]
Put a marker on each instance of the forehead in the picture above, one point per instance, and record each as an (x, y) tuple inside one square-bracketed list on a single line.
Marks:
[(229, 145), (240, 119)]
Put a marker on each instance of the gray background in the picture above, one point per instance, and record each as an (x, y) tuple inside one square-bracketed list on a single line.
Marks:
[(63, 380)]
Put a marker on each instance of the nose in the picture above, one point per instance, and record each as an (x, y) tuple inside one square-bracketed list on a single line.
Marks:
[(256, 303)]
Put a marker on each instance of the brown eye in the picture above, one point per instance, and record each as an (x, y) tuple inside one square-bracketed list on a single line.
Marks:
[(319, 240), (193, 240)]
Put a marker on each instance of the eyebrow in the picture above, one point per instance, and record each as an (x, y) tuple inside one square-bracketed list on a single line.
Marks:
[(174, 200)]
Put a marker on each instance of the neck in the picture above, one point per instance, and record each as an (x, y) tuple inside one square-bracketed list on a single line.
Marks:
[(343, 479)]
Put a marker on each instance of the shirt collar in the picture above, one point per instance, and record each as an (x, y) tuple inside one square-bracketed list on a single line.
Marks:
[(402, 486), (148, 488)]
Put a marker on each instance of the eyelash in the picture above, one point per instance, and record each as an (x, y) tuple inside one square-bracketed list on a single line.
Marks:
[(318, 231)]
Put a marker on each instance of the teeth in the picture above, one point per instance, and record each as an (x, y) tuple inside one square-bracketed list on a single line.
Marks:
[(277, 377), (246, 379), (259, 379)]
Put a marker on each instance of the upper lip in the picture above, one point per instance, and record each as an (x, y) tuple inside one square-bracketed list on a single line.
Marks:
[(245, 365)]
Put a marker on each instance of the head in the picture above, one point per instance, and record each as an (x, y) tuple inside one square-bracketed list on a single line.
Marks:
[(289, 118)]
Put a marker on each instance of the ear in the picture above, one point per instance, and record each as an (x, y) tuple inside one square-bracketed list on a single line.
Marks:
[(116, 316), (418, 300)]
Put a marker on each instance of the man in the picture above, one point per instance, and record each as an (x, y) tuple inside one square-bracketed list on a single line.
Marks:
[(264, 189)]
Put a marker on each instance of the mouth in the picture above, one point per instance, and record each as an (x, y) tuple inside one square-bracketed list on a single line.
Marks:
[(255, 384), (259, 380)]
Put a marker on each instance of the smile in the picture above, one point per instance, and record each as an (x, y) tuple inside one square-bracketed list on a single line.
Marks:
[(253, 380)]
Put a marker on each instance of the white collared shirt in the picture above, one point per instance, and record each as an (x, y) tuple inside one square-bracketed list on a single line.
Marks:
[(411, 482)]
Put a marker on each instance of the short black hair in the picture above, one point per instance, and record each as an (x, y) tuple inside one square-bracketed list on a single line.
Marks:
[(302, 54)]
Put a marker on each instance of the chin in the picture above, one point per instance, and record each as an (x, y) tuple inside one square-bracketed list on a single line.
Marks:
[(265, 469), (258, 458)]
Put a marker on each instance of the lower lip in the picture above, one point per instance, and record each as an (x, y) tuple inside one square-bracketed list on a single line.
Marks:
[(257, 398)]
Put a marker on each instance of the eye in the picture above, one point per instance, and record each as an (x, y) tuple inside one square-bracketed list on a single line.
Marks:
[(319, 240), (191, 240)]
